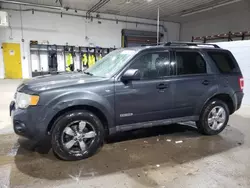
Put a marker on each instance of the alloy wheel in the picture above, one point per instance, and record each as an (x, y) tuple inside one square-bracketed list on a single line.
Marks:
[(217, 118), (78, 136)]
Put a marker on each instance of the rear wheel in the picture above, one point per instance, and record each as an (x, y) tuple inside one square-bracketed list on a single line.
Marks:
[(77, 135), (214, 117)]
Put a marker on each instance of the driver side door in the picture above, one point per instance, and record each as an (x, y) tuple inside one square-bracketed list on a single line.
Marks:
[(149, 98)]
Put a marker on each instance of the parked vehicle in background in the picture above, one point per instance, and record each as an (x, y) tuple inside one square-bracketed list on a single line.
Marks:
[(130, 88)]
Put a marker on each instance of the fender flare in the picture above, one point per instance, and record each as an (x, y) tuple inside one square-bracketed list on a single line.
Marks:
[(71, 99), (211, 95)]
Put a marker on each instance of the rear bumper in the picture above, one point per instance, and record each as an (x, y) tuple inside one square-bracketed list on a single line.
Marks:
[(238, 97)]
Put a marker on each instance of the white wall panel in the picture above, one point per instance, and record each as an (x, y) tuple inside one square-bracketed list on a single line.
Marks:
[(233, 18), (72, 30)]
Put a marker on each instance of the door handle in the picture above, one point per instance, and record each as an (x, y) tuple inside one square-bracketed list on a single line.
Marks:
[(206, 82), (162, 86)]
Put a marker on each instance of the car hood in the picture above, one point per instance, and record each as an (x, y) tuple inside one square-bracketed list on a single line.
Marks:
[(47, 82)]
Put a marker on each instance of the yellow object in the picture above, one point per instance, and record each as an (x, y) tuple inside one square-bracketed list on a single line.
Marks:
[(123, 41), (99, 56), (69, 61), (91, 61), (84, 60), (34, 100), (12, 60)]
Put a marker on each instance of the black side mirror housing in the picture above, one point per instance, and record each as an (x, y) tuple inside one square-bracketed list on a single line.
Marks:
[(131, 74)]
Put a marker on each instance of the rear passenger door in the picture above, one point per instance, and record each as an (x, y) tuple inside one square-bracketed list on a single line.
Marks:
[(193, 83)]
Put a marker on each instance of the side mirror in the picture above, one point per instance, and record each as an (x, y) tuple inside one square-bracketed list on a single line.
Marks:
[(131, 74)]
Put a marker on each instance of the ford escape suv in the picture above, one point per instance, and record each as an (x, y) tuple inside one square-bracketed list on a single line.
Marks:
[(130, 88)]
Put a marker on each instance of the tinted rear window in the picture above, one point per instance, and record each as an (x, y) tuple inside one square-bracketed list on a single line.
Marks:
[(224, 62)]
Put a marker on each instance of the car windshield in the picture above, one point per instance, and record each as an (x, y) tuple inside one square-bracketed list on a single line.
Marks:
[(111, 63)]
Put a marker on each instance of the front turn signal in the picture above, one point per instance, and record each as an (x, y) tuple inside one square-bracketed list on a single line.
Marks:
[(34, 100)]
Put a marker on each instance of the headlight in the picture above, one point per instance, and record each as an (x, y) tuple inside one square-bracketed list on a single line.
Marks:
[(24, 100)]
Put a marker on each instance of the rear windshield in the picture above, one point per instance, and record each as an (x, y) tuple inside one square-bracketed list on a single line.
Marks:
[(224, 61)]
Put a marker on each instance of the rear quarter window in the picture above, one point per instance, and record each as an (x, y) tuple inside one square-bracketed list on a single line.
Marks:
[(224, 62)]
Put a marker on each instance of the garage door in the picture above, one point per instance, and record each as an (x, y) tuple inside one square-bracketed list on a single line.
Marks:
[(132, 38), (241, 51)]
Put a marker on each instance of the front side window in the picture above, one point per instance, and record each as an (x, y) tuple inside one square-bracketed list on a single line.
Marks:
[(152, 65), (189, 63), (111, 63)]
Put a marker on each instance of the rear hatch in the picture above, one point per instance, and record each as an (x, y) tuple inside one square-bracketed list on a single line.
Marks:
[(229, 69)]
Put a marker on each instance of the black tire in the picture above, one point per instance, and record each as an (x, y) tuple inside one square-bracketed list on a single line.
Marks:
[(202, 124), (78, 115)]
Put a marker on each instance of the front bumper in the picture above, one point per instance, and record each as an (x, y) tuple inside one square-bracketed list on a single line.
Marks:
[(27, 122)]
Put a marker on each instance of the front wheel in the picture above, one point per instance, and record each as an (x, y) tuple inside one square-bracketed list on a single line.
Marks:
[(77, 135), (214, 117)]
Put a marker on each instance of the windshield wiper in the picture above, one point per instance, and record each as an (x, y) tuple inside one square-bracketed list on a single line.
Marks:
[(88, 73)]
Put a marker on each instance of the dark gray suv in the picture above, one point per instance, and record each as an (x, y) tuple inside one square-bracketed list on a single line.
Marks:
[(130, 88)]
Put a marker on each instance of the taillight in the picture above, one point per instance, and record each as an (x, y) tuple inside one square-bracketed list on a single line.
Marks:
[(241, 82)]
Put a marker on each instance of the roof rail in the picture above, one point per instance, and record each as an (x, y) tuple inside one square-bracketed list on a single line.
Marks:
[(189, 44)]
